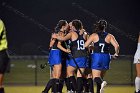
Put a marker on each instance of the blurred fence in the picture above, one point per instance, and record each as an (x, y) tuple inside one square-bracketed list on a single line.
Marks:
[(25, 70)]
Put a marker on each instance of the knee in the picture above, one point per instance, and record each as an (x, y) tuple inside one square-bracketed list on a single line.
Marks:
[(70, 73), (79, 75), (138, 75), (95, 75), (56, 75)]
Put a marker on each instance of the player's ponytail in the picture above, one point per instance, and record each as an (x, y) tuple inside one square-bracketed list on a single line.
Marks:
[(100, 26)]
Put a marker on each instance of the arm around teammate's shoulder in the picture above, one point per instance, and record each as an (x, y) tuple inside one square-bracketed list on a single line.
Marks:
[(67, 37), (90, 39)]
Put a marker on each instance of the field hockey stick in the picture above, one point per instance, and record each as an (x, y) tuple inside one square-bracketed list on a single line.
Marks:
[(75, 61), (42, 66), (77, 65)]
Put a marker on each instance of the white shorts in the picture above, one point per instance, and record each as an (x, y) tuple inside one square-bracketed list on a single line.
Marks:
[(137, 55)]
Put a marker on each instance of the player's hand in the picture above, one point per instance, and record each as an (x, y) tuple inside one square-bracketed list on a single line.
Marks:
[(54, 35), (115, 56), (68, 51)]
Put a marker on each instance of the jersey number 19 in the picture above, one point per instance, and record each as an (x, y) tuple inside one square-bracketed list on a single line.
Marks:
[(80, 44)]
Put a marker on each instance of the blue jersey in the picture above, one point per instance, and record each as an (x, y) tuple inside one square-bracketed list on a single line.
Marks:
[(101, 57), (79, 52), (101, 46), (55, 44), (77, 46)]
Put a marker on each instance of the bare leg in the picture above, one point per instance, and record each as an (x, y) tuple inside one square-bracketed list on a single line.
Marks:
[(1, 80), (1, 83)]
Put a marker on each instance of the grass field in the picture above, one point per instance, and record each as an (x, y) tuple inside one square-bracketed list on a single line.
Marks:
[(38, 89), (28, 72), (25, 71)]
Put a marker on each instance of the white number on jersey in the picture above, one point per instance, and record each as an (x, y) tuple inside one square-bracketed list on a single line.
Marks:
[(80, 44), (102, 45)]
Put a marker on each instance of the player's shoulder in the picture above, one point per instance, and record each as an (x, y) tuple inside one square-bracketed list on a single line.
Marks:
[(94, 34), (110, 35), (71, 32)]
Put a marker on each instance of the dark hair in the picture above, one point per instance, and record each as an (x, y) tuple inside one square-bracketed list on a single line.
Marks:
[(59, 25), (100, 26), (77, 24)]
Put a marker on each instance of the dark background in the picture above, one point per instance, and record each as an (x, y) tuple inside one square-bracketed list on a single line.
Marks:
[(29, 23)]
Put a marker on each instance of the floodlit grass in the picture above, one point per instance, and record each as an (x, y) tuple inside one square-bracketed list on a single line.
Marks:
[(38, 89), (23, 72)]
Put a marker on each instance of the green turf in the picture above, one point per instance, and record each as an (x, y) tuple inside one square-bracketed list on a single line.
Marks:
[(38, 89), (119, 73), (23, 73)]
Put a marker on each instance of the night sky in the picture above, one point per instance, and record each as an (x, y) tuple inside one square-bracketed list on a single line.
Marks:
[(29, 23)]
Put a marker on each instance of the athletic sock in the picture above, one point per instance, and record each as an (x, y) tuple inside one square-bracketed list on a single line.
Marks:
[(98, 87), (86, 85), (55, 87), (67, 82), (80, 84), (73, 83), (98, 81), (61, 83), (49, 85), (1, 90), (137, 84), (91, 86)]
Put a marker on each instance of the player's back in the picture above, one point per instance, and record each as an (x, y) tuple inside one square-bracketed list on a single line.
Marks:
[(77, 46), (101, 45)]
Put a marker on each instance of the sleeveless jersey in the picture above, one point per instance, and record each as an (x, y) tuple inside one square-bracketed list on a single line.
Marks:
[(101, 46), (77, 46), (55, 44)]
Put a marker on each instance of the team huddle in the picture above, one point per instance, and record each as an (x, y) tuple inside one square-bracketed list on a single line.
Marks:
[(76, 58), (79, 59)]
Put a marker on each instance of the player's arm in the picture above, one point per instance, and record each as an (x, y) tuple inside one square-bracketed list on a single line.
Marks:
[(52, 41), (86, 35), (139, 38), (62, 48), (91, 47), (67, 37), (115, 44), (89, 40)]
